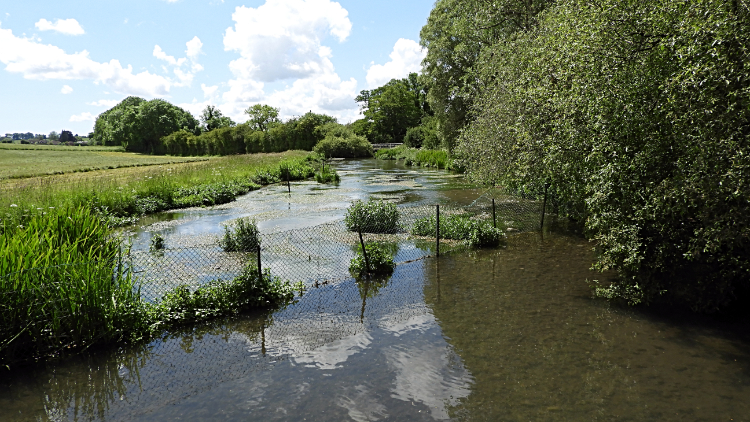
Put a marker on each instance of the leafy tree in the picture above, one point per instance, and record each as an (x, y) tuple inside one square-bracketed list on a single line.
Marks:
[(53, 136), (138, 125), (455, 36), (67, 136), (262, 116), (637, 115), (392, 109), (212, 118)]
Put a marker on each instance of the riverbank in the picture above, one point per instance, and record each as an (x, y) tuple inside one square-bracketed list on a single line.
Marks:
[(62, 284)]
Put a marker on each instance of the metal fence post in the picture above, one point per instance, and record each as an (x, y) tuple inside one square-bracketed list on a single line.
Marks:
[(494, 219), (544, 205), (260, 271), (364, 251), (437, 230)]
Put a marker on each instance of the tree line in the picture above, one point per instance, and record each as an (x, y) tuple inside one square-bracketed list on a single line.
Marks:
[(635, 116)]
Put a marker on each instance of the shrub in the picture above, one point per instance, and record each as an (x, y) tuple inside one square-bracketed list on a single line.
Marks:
[(348, 146), (241, 236), (460, 227), (219, 298), (379, 256), (372, 216), (157, 242)]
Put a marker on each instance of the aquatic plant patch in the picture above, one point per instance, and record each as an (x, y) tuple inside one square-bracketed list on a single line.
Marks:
[(379, 258), (475, 232), (241, 235), (373, 216)]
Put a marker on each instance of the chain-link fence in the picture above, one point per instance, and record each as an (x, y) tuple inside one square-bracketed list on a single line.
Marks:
[(318, 257)]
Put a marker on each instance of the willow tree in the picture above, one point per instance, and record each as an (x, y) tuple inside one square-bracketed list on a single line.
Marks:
[(638, 113)]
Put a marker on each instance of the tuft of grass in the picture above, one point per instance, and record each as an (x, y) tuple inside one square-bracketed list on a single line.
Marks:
[(379, 258), (373, 216), (476, 233), (327, 175), (241, 235)]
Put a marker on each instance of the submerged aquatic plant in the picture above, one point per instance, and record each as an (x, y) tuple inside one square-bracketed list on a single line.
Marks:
[(157, 242)]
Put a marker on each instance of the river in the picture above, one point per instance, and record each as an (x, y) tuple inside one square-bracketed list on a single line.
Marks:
[(496, 334)]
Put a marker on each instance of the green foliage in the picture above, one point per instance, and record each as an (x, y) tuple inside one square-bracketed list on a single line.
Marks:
[(59, 284), (373, 216), (326, 174), (475, 232), (212, 118), (138, 125), (262, 117), (347, 146), (157, 242), (417, 157), (641, 126), (218, 298), (392, 109), (379, 256), (241, 235), (298, 133)]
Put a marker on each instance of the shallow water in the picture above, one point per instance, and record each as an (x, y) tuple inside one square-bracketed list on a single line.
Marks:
[(509, 334), (506, 334)]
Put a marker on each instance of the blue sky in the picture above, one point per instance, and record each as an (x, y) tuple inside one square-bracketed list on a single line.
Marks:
[(63, 63)]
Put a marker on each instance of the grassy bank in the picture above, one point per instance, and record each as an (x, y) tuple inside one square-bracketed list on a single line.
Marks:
[(22, 161), (61, 284), (418, 157), (128, 193)]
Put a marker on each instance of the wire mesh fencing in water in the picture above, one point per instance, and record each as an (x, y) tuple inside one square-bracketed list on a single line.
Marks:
[(372, 240)]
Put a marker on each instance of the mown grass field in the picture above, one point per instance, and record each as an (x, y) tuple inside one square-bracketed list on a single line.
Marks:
[(22, 161)]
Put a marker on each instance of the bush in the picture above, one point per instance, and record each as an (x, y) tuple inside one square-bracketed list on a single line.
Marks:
[(241, 236), (350, 146), (379, 256), (460, 227), (219, 298), (372, 216)]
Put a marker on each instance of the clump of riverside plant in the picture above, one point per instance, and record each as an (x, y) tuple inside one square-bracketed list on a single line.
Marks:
[(157, 242), (373, 216), (242, 235), (379, 258), (476, 233), (327, 175), (61, 285), (220, 298)]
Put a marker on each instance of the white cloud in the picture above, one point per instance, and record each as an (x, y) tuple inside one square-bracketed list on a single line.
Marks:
[(406, 57), (66, 89), (209, 91), (83, 117), (104, 103), (281, 40), (63, 26), (44, 62), (185, 77)]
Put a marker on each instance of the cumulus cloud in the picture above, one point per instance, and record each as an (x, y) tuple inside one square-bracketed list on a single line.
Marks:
[(66, 89), (83, 117), (185, 77), (209, 91), (406, 57), (45, 62), (283, 40), (63, 26)]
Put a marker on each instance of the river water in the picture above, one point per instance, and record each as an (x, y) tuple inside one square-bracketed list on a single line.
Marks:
[(503, 334)]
